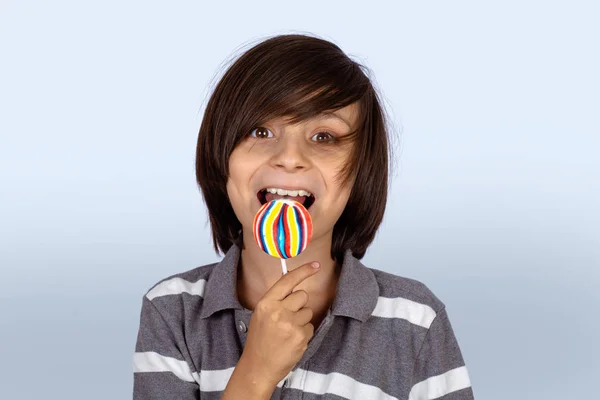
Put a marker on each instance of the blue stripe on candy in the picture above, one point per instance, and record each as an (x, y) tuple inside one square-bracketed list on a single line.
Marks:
[(281, 232)]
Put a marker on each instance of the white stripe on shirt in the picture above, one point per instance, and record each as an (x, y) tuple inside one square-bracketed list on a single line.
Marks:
[(177, 286), (441, 385), (308, 381), (151, 361), (335, 383), (209, 380), (398, 307)]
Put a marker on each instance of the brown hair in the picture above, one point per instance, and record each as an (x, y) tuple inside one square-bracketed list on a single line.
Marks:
[(296, 76)]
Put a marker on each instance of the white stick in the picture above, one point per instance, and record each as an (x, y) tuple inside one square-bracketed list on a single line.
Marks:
[(283, 266)]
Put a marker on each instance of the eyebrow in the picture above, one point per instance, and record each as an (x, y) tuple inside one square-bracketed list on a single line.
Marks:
[(325, 115), (332, 115)]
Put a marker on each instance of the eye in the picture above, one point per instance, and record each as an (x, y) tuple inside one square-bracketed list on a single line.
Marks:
[(261, 133), (323, 137)]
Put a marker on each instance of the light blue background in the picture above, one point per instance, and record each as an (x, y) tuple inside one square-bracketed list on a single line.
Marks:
[(495, 203)]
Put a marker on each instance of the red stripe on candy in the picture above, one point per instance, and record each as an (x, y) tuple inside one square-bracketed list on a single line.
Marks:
[(275, 229), (258, 219), (286, 230)]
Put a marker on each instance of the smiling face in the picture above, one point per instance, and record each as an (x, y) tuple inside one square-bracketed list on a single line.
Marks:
[(302, 161)]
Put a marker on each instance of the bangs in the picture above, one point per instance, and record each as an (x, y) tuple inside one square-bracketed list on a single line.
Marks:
[(310, 101), (296, 81)]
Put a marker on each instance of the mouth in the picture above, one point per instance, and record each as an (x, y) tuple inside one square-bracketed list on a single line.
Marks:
[(300, 195)]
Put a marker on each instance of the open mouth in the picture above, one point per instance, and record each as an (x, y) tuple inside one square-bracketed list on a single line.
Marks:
[(301, 196)]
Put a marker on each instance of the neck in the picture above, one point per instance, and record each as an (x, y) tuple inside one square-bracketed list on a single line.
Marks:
[(258, 271)]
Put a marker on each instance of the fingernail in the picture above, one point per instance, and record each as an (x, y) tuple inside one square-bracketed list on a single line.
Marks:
[(315, 264)]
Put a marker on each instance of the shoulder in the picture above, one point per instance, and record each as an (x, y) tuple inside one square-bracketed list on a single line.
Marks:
[(391, 285), (405, 298), (192, 281)]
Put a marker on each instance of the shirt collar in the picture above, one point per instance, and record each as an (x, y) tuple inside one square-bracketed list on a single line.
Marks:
[(220, 292), (357, 290), (356, 296)]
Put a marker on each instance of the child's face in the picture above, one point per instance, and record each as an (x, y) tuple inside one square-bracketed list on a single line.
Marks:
[(305, 156)]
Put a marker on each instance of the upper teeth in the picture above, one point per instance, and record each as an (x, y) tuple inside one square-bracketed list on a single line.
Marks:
[(293, 193)]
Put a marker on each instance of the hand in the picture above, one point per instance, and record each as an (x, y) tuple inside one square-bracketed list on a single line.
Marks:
[(280, 328)]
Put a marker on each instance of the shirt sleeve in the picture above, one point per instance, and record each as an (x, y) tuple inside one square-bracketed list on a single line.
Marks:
[(160, 371), (440, 372)]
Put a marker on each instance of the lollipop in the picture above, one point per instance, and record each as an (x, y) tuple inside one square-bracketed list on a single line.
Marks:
[(282, 229)]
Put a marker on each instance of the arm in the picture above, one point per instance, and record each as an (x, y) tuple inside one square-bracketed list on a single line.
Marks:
[(246, 383), (278, 336), (160, 370), (440, 372)]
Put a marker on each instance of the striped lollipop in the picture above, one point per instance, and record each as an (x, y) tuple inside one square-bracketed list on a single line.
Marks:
[(282, 229)]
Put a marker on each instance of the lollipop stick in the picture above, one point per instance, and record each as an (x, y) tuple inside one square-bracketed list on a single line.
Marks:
[(283, 266)]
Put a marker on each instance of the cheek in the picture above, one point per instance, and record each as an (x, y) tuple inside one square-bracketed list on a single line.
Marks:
[(342, 200), (235, 179), (243, 161), (338, 199), (235, 164), (342, 194), (237, 198), (239, 171)]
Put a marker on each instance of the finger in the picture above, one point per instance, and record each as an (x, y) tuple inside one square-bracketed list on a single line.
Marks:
[(289, 281), (296, 300), (309, 331), (303, 316)]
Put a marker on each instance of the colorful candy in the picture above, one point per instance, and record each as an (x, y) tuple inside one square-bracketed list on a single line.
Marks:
[(282, 228)]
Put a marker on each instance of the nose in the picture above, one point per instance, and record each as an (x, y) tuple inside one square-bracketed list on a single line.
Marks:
[(290, 156)]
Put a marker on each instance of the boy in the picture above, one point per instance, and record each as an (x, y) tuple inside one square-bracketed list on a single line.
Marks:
[(294, 117)]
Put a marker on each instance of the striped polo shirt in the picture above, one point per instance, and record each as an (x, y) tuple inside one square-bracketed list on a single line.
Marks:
[(385, 337)]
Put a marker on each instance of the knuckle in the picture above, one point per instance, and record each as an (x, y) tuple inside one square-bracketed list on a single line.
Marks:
[(296, 337), (276, 316), (286, 327), (262, 306), (303, 295)]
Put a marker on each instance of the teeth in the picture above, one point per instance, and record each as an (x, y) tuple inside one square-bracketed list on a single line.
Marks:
[(293, 193)]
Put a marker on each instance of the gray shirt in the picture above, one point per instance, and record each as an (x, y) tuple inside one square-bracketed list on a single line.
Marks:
[(385, 337)]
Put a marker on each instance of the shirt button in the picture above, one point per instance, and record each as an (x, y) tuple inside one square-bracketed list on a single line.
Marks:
[(242, 326)]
